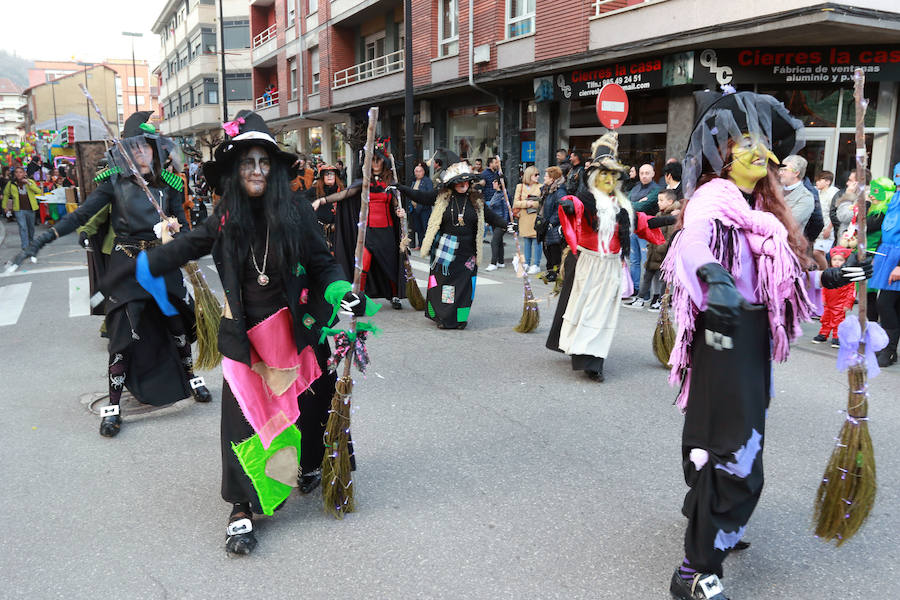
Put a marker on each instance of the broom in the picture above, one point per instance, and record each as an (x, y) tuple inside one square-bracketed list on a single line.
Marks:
[(847, 491), (664, 334), (531, 316), (337, 486), (207, 310), (413, 293)]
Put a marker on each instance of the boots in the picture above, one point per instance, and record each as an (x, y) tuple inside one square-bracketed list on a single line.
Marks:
[(888, 355), (598, 374), (239, 538), (198, 389)]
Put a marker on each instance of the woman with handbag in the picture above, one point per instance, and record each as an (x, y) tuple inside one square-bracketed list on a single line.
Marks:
[(547, 225), (527, 202)]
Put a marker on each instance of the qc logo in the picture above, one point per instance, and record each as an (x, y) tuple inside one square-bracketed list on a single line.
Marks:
[(563, 86), (708, 59)]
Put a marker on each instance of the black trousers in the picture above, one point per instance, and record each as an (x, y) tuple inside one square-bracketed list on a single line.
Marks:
[(553, 254), (725, 420), (497, 246)]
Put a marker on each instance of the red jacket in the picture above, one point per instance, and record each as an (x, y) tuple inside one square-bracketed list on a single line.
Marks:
[(578, 232)]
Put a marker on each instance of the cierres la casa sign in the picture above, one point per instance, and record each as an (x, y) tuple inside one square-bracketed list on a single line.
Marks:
[(827, 64)]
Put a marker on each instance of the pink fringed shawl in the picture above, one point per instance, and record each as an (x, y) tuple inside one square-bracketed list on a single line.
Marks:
[(780, 277)]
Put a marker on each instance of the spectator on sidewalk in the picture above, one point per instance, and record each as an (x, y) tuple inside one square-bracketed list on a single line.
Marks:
[(527, 202), (651, 287), (419, 213), (576, 173), (640, 193), (827, 195), (799, 199), (493, 199), (553, 191), (20, 196)]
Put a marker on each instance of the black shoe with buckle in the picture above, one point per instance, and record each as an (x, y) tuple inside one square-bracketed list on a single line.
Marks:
[(307, 482), (703, 586), (111, 421), (199, 391), (239, 537), (395, 302)]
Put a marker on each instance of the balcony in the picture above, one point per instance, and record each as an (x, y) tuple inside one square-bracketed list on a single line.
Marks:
[(377, 67), (267, 100), (204, 116), (264, 45)]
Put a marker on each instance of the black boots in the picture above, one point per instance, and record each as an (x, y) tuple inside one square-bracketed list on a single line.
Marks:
[(239, 538), (111, 421), (307, 482), (395, 303), (888, 355), (598, 374)]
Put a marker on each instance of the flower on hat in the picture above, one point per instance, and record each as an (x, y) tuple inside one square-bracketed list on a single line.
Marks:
[(232, 128)]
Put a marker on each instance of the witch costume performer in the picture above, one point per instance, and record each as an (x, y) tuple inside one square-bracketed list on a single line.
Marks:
[(149, 352), (282, 286), (597, 225), (383, 274), (452, 244), (737, 273)]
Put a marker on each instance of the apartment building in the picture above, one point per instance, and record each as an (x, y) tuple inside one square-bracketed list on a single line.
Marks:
[(520, 77), (189, 76), (134, 88), (12, 122)]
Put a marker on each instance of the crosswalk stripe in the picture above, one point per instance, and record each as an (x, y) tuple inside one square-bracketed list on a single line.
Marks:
[(27, 270), (79, 297), (12, 301), (420, 266)]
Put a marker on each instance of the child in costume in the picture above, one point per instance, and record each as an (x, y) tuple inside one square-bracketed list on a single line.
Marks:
[(737, 274), (837, 301), (282, 286), (149, 351), (886, 277)]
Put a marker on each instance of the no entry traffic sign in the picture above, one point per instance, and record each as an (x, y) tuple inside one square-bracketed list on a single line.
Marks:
[(612, 105)]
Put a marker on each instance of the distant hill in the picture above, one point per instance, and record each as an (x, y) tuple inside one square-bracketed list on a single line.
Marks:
[(15, 68)]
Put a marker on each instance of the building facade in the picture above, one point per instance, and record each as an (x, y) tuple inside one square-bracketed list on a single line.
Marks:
[(60, 103), (520, 77), (12, 121), (134, 88), (191, 86)]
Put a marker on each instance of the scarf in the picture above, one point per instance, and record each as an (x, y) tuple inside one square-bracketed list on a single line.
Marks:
[(441, 204), (779, 275)]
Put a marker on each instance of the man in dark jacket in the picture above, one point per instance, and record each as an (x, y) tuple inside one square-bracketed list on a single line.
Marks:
[(576, 173), (493, 199)]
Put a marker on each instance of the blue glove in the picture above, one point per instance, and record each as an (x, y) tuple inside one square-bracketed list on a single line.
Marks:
[(155, 286)]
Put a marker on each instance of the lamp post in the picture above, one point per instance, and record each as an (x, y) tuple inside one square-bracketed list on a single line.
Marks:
[(53, 85), (133, 35), (87, 103), (222, 54)]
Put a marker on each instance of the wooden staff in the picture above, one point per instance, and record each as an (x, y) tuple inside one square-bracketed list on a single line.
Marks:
[(337, 485)]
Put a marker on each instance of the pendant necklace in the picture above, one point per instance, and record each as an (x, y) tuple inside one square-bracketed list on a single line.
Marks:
[(460, 213), (262, 279)]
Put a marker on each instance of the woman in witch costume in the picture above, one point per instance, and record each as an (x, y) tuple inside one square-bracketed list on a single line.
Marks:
[(149, 353), (281, 287), (737, 274), (327, 184), (597, 225), (452, 244), (383, 273)]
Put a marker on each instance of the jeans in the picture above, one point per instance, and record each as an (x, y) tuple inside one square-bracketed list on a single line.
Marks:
[(25, 219), (497, 246), (638, 249), (532, 251)]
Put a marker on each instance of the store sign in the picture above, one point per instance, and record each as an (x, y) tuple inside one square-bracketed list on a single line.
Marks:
[(826, 64), (644, 74)]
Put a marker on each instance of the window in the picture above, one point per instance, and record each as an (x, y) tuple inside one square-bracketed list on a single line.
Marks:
[(236, 34), (135, 100), (448, 35), (312, 6), (519, 18), (314, 69), (291, 12), (238, 86), (211, 90), (135, 83), (293, 79), (208, 36)]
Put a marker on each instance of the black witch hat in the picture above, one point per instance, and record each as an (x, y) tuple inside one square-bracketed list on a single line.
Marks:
[(136, 124), (249, 129)]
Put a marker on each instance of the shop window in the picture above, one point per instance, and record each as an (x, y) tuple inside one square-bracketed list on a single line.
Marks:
[(474, 131), (236, 34), (519, 18), (314, 69), (314, 137), (448, 34)]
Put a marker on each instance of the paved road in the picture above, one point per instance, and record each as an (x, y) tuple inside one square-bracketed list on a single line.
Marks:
[(487, 470)]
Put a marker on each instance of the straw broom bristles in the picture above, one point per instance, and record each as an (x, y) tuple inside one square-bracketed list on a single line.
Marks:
[(413, 293), (664, 334), (208, 313), (846, 494)]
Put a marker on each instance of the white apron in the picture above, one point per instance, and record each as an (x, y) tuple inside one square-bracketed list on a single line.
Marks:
[(593, 310)]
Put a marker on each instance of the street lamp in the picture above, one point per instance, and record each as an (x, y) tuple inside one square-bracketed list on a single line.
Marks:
[(53, 85), (133, 35), (87, 103)]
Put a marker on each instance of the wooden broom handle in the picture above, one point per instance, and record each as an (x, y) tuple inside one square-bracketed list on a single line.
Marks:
[(859, 80)]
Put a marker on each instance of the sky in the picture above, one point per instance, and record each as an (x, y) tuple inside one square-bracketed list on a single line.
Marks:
[(88, 30)]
